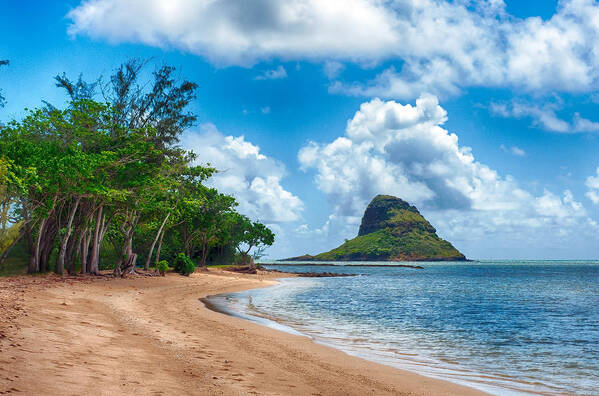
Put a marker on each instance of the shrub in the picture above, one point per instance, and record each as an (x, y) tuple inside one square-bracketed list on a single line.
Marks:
[(189, 268), (183, 264), (162, 267), (242, 259), (179, 262)]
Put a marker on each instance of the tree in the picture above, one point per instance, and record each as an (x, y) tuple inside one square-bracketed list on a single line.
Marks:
[(3, 62), (77, 180), (203, 211), (142, 107), (10, 228), (248, 234), (162, 106)]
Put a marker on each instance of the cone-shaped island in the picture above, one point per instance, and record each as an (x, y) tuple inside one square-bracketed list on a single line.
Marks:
[(391, 230)]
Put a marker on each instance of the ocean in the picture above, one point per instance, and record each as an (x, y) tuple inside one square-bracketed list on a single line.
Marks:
[(505, 327)]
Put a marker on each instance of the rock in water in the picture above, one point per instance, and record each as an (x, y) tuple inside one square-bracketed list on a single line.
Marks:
[(392, 230)]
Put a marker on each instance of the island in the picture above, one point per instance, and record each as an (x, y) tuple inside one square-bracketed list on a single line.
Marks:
[(391, 230)]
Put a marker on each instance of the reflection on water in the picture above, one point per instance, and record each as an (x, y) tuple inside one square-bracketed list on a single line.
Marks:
[(503, 327)]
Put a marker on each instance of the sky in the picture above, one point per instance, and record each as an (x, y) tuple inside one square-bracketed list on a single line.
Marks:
[(482, 113)]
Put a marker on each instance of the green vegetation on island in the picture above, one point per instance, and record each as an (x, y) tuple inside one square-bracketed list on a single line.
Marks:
[(391, 230)]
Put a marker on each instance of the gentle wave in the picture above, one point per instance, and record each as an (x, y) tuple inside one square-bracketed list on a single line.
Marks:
[(506, 328)]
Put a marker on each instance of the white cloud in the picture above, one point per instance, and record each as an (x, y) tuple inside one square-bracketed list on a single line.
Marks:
[(230, 32), (251, 177), (403, 150), (544, 117), (515, 150), (437, 46), (583, 125), (275, 74), (592, 183), (332, 69), (265, 109)]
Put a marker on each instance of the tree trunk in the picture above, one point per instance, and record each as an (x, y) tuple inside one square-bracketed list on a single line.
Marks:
[(93, 265), (185, 240), (63, 244), (159, 247), (47, 246), (149, 258), (37, 250), (128, 266), (128, 231), (70, 255), (204, 254), (85, 251), (32, 261)]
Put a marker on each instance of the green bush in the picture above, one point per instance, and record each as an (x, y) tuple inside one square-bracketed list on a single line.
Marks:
[(183, 264), (179, 262), (242, 259), (162, 267), (188, 269)]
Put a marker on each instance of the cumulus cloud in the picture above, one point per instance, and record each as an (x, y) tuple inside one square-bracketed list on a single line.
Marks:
[(275, 74), (231, 32), (403, 150), (592, 183), (434, 46), (253, 178), (544, 117)]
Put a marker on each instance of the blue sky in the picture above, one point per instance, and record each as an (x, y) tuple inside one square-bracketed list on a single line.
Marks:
[(486, 116)]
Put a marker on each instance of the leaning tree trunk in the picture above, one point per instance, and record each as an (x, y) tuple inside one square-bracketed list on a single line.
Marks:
[(37, 250), (159, 247), (149, 258), (32, 261), (63, 243)]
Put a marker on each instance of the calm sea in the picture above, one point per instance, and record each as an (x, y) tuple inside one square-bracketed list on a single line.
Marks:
[(504, 327)]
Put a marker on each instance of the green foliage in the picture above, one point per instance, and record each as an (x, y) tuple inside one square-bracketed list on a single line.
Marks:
[(188, 269), (162, 267), (242, 258), (2, 63), (248, 234), (393, 230), (384, 245), (107, 179), (183, 264), (9, 235), (16, 264)]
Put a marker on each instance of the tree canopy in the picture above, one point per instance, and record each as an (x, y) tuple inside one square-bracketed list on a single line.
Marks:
[(3, 62), (104, 177)]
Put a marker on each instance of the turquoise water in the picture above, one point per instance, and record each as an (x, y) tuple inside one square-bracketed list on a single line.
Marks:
[(504, 327)]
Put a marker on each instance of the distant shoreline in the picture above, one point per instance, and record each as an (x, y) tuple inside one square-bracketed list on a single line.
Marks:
[(346, 265)]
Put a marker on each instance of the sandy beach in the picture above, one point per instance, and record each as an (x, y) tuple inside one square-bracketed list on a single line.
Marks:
[(152, 335)]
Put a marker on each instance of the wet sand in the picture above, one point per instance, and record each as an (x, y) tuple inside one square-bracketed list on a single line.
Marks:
[(152, 335)]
